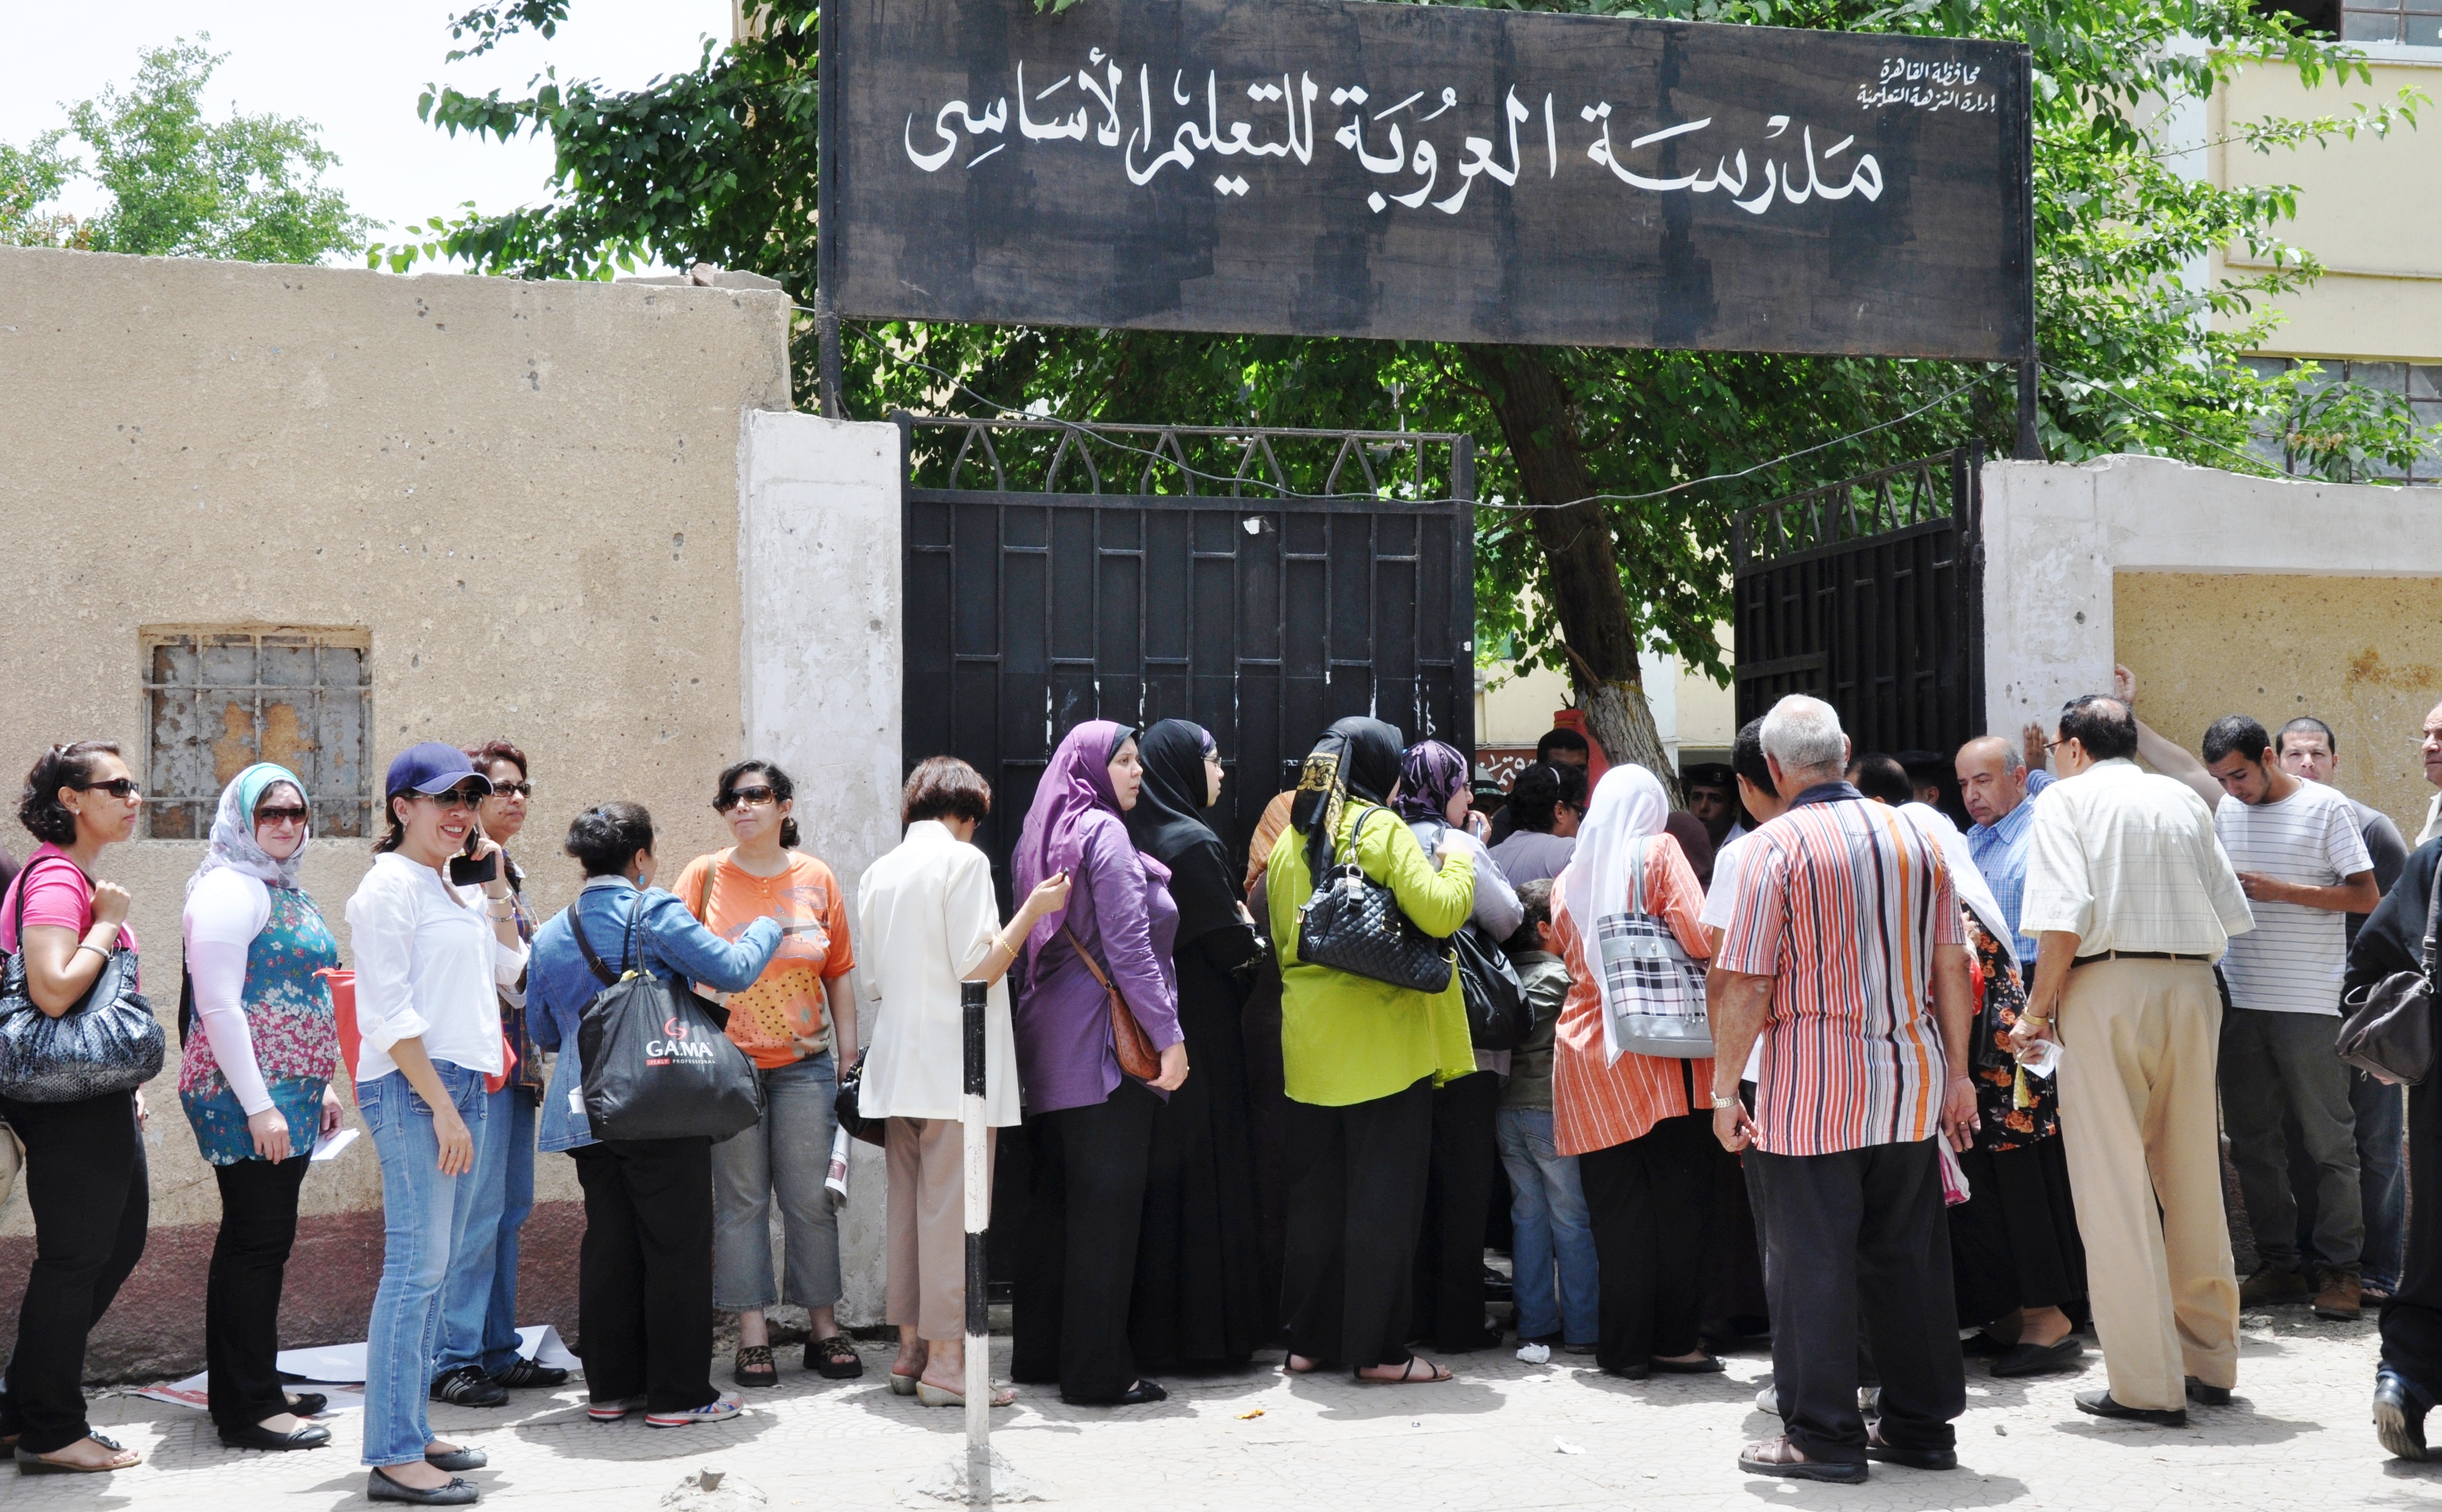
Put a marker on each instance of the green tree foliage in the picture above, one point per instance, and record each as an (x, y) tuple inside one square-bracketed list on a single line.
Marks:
[(248, 188), (1631, 465)]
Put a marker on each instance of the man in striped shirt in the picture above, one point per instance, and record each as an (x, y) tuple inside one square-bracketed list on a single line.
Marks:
[(1844, 951)]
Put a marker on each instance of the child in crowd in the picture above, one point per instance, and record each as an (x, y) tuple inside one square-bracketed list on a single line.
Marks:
[(1547, 1209)]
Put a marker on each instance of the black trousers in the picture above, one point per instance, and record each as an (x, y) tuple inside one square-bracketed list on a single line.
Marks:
[(242, 1292), (1859, 1237), (644, 1273), (1077, 1267), (86, 1183), (1356, 1195), (1458, 1188), (1650, 1203), (2412, 1320), (2013, 1242)]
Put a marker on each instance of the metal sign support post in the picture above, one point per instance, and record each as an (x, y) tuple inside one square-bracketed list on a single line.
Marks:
[(978, 1184)]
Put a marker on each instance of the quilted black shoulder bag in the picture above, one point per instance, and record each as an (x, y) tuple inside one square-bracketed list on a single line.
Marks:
[(1353, 923), (2387, 1029)]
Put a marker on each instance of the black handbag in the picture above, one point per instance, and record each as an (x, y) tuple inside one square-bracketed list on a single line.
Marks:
[(850, 1116), (657, 1063), (1353, 923), (1497, 1015), (2387, 1029), (109, 1042)]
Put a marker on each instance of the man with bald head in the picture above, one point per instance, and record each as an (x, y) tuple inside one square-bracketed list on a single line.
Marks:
[(2433, 748), (1996, 785)]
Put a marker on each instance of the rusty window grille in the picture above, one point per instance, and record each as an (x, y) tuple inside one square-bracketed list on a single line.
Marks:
[(217, 701)]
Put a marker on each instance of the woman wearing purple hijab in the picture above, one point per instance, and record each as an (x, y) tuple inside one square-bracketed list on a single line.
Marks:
[(1089, 1128)]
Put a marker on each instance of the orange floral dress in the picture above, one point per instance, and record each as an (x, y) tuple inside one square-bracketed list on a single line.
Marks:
[(2001, 999)]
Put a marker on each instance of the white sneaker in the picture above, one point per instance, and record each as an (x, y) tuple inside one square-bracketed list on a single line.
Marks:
[(613, 1411), (1768, 1399), (1869, 1401), (713, 1412)]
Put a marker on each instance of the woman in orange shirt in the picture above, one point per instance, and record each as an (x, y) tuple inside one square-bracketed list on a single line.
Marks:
[(798, 1023), (1641, 1126)]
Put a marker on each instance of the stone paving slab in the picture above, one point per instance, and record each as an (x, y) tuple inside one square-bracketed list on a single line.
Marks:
[(2297, 1436)]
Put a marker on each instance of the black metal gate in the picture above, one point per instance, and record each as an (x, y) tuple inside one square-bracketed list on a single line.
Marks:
[(1260, 583), (1869, 595)]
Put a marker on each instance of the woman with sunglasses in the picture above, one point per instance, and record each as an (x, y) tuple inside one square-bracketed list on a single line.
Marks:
[(797, 1024), (255, 1079), (479, 1361), (432, 958), (85, 1170)]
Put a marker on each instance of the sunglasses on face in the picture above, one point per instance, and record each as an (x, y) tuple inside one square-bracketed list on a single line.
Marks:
[(285, 815), (115, 787), (457, 798), (512, 790), (757, 795)]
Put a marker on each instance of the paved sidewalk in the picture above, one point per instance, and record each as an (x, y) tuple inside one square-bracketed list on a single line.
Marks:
[(2297, 1436)]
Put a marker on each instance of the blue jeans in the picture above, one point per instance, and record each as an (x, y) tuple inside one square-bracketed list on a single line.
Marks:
[(1547, 1224), (478, 1301), (784, 1157), (424, 1221)]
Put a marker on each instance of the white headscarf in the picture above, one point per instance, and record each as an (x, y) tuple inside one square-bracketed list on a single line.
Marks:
[(233, 843), (1965, 880), (1628, 806)]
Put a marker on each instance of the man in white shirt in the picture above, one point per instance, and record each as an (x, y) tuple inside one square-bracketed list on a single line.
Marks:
[(2299, 853), (2132, 899), (2431, 746)]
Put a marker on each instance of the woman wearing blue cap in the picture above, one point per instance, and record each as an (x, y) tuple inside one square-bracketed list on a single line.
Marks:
[(255, 1079), (431, 958)]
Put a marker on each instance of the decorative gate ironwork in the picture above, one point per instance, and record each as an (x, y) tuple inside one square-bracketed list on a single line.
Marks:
[(1259, 582), (1867, 593)]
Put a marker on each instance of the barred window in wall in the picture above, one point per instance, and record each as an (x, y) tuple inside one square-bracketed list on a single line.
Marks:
[(218, 700), (2416, 22), (2421, 383)]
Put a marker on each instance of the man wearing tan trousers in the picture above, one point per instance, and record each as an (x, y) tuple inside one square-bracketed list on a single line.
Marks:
[(2133, 900)]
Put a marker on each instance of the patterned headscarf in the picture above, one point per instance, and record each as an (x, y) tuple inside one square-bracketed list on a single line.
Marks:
[(1429, 773), (232, 842), (1356, 757)]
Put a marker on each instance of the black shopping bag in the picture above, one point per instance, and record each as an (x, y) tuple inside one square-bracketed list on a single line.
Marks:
[(657, 1063)]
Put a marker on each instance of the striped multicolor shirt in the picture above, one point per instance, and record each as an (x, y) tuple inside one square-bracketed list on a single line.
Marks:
[(1843, 901)]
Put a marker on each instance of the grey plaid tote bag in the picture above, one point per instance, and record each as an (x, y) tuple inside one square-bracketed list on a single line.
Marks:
[(1653, 991)]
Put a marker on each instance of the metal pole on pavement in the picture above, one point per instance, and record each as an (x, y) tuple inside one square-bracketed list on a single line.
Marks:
[(978, 1184)]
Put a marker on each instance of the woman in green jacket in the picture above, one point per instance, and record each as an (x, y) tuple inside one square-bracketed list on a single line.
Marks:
[(1360, 1059)]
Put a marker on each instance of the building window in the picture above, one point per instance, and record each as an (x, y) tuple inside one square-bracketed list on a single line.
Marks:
[(2421, 383), (2417, 22), (216, 700)]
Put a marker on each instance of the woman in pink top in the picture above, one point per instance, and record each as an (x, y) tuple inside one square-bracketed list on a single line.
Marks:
[(84, 1161), (1641, 1125)]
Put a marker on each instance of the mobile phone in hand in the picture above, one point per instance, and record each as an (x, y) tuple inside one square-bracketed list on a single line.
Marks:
[(469, 872)]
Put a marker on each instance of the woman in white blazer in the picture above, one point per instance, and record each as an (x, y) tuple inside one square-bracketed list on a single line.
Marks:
[(927, 920)]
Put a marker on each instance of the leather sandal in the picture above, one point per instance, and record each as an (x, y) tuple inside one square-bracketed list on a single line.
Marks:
[(1434, 1375), (1779, 1456), (834, 1358)]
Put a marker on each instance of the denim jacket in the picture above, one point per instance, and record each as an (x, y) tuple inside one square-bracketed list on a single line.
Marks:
[(559, 984)]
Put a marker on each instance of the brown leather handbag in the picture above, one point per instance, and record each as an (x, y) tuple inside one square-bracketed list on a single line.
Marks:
[(1128, 1038)]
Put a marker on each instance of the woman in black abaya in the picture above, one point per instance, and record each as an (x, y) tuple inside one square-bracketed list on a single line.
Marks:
[(2408, 1383), (1200, 1299)]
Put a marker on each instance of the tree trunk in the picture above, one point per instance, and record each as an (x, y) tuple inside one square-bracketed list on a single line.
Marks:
[(1580, 570)]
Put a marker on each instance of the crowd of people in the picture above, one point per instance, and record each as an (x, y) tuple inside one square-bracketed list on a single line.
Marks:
[(1803, 1058)]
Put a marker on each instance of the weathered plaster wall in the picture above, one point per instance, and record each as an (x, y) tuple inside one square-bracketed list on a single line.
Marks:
[(819, 561), (527, 492), (2224, 594)]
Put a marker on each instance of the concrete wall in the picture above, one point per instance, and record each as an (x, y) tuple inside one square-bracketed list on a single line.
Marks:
[(2225, 595), (819, 559), (527, 493)]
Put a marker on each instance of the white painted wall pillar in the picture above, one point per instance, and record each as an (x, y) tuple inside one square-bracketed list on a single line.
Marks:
[(818, 563)]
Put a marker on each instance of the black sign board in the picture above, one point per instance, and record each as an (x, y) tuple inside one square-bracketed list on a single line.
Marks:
[(1443, 172)]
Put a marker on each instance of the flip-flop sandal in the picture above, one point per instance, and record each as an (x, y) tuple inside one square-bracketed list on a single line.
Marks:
[(1434, 1375), (901, 1385), (754, 1366)]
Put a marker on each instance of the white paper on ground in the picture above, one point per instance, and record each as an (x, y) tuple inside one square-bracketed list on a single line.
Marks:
[(192, 1393), (543, 1344), (343, 1366), (332, 1143)]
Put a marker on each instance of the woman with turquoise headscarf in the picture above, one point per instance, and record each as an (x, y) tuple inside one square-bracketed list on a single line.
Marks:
[(261, 1047)]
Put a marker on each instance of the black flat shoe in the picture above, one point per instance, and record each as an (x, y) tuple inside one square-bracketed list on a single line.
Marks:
[(380, 1487), (2399, 1417), (2101, 1405), (2204, 1395), (307, 1404), (1136, 1395), (461, 1458), (2066, 1353), (256, 1436), (523, 1373), (1913, 1458), (1707, 1366)]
